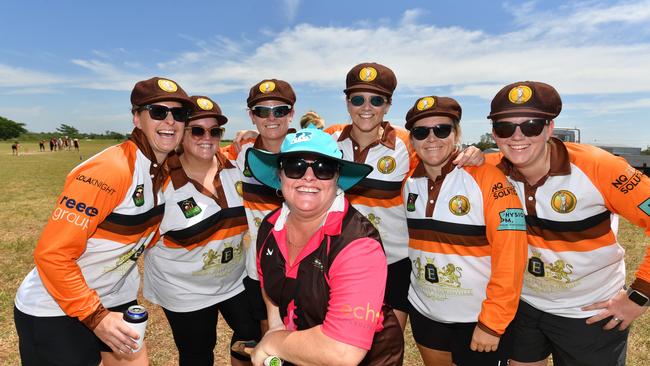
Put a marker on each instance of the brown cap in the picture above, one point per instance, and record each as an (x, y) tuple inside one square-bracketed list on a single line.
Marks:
[(271, 89), (204, 107), (433, 106), (526, 99), (371, 77), (158, 90)]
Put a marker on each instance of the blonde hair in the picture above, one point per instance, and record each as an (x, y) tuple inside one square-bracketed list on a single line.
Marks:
[(312, 118)]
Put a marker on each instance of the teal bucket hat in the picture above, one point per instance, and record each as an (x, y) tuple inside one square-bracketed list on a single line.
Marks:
[(312, 141)]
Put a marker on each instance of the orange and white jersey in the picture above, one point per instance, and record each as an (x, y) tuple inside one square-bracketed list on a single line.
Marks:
[(259, 200), (574, 258), (379, 195), (467, 246), (199, 261), (109, 211)]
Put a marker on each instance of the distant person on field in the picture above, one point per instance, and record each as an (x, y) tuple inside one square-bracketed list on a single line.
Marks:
[(76, 144), (69, 309), (14, 148), (41, 145), (52, 143), (312, 118)]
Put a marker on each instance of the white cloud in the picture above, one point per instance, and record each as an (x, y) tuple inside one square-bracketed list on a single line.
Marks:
[(17, 77)]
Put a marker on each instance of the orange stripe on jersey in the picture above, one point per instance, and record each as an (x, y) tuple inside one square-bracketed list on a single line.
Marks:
[(442, 248), (219, 235), (123, 238), (586, 245), (374, 202), (260, 206)]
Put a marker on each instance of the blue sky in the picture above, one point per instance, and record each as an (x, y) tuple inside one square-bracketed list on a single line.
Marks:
[(75, 62)]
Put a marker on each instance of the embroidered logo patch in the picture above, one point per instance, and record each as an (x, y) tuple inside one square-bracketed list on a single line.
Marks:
[(138, 195), (410, 202), (368, 74), (204, 104), (426, 103), (239, 187), (267, 87), (189, 207), (520, 94), (459, 205), (167, 85), (563, 201), (512, 219), (386, 165)]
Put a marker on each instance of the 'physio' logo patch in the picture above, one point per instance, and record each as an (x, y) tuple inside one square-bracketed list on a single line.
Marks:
[(645, 206), (512, 219)]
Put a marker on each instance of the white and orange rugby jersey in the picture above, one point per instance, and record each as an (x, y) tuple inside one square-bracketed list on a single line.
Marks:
[(467, 246), (379, 195), (199, 261), (259, 200), (108, 212), (574, 259)]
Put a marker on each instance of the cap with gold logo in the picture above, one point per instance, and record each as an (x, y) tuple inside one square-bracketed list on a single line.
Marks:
[(431, 106), (158, 89), (370, 77), (271, 89), (204, 107), (526, 99)]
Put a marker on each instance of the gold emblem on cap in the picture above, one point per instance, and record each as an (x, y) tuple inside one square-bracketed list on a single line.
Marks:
[(267, 87), (368, 74), (520, 94), (563, 201), (459, 205), (204, 104), (386, 165), (426, 103), (167, 85)]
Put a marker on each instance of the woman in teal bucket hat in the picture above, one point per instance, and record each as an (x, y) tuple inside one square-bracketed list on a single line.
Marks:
[(321, 263)]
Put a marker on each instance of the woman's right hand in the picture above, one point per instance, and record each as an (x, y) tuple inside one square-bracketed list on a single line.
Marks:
[(118, 335), (243, 135)]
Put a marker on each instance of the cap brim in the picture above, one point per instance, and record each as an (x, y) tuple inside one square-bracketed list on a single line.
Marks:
[(251, 103), (264, 167), (409, 124), (368, 88), (522, 112), (221, 119), (187, 102)]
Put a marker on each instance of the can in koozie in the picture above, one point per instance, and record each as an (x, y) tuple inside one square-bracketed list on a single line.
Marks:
[(136, 317), (273, 361)]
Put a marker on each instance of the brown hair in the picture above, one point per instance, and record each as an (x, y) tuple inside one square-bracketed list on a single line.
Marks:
[(313, 118)]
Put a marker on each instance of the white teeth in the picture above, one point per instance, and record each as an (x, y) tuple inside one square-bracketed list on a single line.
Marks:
[(433, 148), (170, 133), (272, 126), (308, 189), (518, 147), (366, 115), (205, 146)]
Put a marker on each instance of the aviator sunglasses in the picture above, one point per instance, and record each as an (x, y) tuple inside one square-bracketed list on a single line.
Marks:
[(198, 131), (529, 128), (295, 168), (278, 111), (375, 100), (159, 112), (442, 131)]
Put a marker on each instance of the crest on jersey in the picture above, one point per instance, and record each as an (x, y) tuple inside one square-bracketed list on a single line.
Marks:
[(426, 103), (204, 104), (563, 201), (247, 172), (239, 187), (368, 74), (374, 220), (520, 94), (138, 195), (386, 165), (410, 202), (267, 87), (189, 207), (167, 85), (459, 205)]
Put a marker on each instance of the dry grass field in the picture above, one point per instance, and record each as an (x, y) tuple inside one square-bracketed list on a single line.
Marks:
[(30, 185)]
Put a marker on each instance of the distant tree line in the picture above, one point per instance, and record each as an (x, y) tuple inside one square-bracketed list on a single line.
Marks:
[(15, 130)]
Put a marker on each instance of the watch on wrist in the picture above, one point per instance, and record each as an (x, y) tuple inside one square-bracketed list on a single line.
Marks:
[(637, 297)]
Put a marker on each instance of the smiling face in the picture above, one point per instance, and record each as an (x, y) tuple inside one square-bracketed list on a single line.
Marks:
[(523, 151), (308, 196), (434, 151), (272, 128), (163, 136), (366, 118), (201, 147)]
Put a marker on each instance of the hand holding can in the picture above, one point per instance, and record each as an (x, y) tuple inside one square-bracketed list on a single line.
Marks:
[(136, 317), (273, 361)]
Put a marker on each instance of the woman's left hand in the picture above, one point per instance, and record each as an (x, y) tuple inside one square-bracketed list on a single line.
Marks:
[(483, 341), (622, 310), (471, 156)]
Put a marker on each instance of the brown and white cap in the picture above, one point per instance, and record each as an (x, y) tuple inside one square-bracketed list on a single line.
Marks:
[(271, 89), (431, 106), (526, 99), (204, 107), (158, 89), (370, 77)]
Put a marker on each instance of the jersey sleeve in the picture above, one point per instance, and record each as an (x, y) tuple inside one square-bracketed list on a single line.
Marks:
[(79, 209), (357, 280), (505, 227)]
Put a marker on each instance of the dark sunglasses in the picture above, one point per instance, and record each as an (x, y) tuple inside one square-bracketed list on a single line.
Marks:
[(442, 131), (375, 100), (159, 112), (529, 128), (278, 111), (295, 168), (198, 131)]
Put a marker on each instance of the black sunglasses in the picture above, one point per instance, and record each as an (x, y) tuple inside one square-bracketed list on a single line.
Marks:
[(159, 112), (295, 168), (198, 131), (375, 100), (529, 128), (442, 131), (278, 111)]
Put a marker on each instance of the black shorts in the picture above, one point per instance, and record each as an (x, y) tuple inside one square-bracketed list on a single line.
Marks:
[(255, 299), (195, 332), (59, 340), (397, 285), (571, 341), (456, 338)]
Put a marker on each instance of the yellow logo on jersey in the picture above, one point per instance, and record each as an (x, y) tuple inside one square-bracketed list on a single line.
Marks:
[(426, 103), (267, 87), (520, 94), (368, 74), (386, 165), (204, 104), (563, 201), (239, 187), (459, 205), (167, 85), (374, 220)]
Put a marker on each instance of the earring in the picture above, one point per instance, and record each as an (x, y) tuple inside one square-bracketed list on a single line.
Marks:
[(278, 193)]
